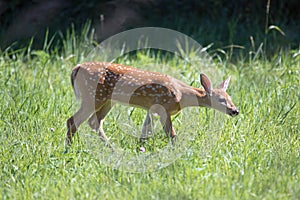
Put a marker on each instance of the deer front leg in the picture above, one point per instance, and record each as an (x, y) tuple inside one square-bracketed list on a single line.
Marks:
[(147, 127)]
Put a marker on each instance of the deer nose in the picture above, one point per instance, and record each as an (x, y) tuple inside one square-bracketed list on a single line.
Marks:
[(235, 112)]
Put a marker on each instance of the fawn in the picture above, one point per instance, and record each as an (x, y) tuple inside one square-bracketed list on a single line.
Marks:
[(100, 85)]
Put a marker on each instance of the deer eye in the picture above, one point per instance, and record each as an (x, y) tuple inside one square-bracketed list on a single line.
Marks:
[(222, 100)]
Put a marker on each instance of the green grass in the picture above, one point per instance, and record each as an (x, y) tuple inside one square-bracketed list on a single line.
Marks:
[(253, 156)]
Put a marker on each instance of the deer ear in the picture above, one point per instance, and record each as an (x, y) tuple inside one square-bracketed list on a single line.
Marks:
[(224, 84), (205, 82)]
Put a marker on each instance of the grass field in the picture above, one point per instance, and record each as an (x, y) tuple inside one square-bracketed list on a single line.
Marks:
[(252, 156)]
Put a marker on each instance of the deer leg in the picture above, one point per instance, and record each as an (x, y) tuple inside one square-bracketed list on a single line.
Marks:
[(147, 127), (165, 120), (96, 120), (76, 120)]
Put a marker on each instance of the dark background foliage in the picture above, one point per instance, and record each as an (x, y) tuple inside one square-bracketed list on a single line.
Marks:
[(219, 22)]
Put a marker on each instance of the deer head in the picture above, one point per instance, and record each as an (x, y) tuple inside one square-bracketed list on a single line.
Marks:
[(218, 98)]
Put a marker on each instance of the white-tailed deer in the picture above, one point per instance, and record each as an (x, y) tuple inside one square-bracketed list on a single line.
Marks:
[(100, 85)]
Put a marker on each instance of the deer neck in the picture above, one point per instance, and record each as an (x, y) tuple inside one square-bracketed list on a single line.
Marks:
[(193, 97)]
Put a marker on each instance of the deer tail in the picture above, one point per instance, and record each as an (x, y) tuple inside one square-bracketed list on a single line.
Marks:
[(74, 85)]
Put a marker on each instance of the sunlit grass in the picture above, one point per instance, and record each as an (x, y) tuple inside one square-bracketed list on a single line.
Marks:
[(252, 156)]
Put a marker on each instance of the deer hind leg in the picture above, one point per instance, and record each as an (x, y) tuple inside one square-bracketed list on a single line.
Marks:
[(76, 120), (165, 120), (96, 120), (147, 127)]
